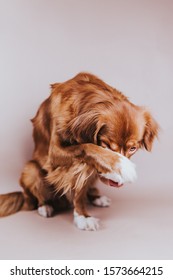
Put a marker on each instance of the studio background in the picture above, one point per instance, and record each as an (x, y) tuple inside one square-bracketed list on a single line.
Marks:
[(128, 44)]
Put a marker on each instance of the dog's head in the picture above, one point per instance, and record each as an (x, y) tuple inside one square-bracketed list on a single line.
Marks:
[(131, 128), (120, 126)]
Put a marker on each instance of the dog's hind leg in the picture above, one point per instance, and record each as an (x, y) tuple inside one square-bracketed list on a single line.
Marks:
[(35, 188), (96, 199)]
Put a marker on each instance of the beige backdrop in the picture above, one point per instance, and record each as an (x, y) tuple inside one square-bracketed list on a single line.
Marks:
[(129, 44)]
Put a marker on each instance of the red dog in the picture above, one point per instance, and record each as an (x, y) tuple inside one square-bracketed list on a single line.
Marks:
[(84, 130)]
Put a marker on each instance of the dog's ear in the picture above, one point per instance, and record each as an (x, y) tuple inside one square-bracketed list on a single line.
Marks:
[(86, 127), (150, 131)]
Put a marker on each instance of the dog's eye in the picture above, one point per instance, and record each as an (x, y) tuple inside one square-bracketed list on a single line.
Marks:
[(132, 149)]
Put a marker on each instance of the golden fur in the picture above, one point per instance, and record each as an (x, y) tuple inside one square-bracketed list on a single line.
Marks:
[(71, 130)]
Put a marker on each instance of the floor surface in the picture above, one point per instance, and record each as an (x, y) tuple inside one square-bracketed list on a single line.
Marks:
[(137, 225)]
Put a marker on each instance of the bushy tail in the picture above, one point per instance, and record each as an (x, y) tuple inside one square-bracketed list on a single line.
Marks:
[(11, 203)]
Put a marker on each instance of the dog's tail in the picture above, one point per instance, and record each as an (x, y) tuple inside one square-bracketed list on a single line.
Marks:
[(11, 203)]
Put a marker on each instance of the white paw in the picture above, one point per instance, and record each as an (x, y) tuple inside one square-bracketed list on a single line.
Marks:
[(102, 201), (124, 171), (45, 211), (89, 223)]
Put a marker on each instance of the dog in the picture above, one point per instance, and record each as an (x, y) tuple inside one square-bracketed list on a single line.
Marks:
[(83, 131)]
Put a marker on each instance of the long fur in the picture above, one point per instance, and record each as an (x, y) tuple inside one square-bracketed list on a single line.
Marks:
[(71, 130)]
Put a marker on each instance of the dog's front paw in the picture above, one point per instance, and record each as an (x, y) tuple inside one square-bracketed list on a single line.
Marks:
[(86, 223), (102, 201), (123, 172), (127, 170), (45, 211)]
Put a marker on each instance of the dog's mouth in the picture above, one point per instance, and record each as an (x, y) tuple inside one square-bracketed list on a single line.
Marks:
[(114, 184), (110, 183)]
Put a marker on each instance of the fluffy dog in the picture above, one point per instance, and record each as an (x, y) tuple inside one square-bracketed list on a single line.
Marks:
[(84, 130)]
